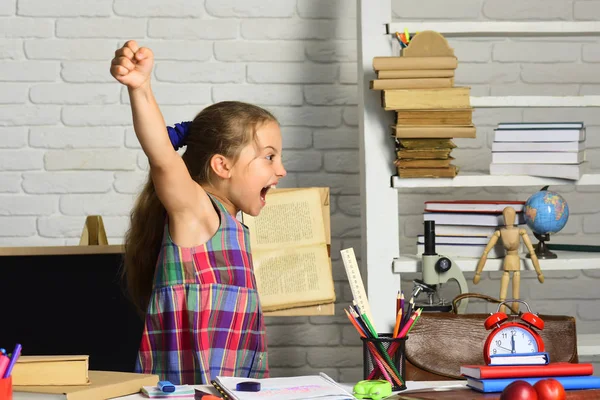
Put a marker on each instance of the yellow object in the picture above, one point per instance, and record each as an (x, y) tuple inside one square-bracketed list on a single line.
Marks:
[(51, 370), (375, 390)]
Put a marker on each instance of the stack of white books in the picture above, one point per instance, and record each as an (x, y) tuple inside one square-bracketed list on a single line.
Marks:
[(547, 149), (463, 227)]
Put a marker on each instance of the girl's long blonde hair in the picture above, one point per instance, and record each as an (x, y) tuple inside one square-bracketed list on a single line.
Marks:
[(222, 128)]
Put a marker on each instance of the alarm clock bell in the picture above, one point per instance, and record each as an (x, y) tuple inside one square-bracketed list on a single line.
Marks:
[(437, 269)]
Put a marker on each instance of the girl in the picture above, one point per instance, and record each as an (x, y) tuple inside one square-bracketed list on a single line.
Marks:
[(202, 312)]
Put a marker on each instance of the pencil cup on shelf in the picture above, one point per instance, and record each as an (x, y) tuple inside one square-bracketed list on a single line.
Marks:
[(6, 388), (387, 352)]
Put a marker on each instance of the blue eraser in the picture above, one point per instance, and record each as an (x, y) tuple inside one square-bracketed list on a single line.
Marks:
[(248, 386), (166, 387)]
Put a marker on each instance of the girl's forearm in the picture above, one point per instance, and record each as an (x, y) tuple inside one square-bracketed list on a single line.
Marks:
[(149, 126)]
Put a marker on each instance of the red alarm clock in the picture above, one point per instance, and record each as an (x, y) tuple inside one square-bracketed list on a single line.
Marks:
[(510, 337)]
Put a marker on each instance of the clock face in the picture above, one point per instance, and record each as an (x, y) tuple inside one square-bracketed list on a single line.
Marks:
[(512, 339)]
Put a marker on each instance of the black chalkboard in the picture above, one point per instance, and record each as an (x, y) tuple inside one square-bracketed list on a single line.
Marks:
[(69, 304)]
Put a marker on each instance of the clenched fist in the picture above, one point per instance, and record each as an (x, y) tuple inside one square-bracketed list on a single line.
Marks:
[(132, 65)]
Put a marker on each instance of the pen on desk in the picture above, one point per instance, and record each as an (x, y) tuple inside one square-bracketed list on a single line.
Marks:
[(13, 360)]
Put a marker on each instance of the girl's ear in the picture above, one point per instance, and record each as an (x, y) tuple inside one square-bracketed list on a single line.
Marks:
[(221, 166)]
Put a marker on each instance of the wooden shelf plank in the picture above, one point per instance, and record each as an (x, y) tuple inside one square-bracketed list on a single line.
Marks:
[(499, 28), (534, 101), (567, 260)]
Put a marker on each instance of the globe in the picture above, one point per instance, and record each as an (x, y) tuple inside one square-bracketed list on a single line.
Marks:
[(546, 212)]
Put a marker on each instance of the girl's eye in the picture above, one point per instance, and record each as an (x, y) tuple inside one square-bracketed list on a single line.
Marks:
[(270, 157)]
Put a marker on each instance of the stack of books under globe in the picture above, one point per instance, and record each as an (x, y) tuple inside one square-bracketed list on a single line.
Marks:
[(547, 149), (463, 228)]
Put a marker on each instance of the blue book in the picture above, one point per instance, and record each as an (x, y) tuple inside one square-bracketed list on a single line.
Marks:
[(540, 358), (568, 382)]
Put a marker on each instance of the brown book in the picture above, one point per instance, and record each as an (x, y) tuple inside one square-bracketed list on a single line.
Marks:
[(449, 172), (419, 143), (427, 99), (461, 116), (411, 83), (415, 73), (424, 153), (420, 163), (103, 385), (434, 131), (51, 370), (404, 63)]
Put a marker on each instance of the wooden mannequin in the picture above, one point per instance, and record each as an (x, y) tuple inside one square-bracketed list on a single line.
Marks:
[(511, 236)]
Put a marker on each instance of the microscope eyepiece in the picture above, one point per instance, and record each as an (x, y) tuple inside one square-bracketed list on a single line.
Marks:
[(429, 236)]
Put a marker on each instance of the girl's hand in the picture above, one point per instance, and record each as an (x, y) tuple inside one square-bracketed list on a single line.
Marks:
[(132, 65)]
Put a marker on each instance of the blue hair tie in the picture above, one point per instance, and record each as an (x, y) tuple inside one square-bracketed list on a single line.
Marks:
[(179, 133)]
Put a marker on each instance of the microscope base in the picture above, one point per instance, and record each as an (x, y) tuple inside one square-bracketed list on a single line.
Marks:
[(434, 307)]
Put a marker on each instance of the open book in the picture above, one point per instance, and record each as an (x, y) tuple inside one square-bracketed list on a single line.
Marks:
[(289, 241), (293, 388)]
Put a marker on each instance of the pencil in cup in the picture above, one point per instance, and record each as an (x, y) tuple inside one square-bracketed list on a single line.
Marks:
[(378, 353), (394, 348), (402, 334)]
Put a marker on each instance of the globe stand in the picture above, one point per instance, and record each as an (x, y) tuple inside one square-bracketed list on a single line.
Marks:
[(541, 249)]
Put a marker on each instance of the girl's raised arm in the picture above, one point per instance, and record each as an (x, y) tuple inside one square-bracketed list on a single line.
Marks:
[(132, 66)]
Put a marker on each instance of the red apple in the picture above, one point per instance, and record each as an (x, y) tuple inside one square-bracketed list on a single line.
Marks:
[(550, 389), (519, 390)]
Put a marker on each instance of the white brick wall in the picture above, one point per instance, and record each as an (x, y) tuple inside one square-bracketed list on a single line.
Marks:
[(67, 148)]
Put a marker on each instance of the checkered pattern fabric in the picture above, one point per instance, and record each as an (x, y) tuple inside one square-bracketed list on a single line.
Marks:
[(204, 317)]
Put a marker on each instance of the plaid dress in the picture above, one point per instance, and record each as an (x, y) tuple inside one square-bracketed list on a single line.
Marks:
[(204, 317)]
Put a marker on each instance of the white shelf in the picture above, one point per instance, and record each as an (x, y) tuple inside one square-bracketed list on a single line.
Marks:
[(588, 344), (567, 260), (480, 180), (499, 28), (535, 101)]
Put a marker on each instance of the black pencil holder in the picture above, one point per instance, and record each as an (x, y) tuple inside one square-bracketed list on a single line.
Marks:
[(383, 343)]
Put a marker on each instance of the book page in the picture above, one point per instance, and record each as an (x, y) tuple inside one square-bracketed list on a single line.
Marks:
[(290, 218), (286, 388), (295, 276)]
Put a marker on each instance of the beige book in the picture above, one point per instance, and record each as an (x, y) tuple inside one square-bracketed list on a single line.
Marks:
[(424, 163), (423, 154), (103, 385), (404, 63), (434, 131), (462, 116), (411, 83), (419, 99), (51, 370), (415, 73), (289, 242), (319, 309), (420, 143), (449, 172)]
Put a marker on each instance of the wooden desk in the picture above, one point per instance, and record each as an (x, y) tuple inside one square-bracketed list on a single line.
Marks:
[(68, 300)]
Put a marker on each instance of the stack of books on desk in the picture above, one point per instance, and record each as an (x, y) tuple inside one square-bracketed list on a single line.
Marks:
[(463, 227), (430, 111), (553, 149), (488, 378)]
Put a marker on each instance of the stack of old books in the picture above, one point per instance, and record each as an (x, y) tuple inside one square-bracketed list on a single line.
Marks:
[(430, 110)]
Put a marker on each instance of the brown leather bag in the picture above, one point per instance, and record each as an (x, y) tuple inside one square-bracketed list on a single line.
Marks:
[(440, 343)]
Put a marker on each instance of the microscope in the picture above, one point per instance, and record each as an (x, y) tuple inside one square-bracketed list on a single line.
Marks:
[(437, 269)]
